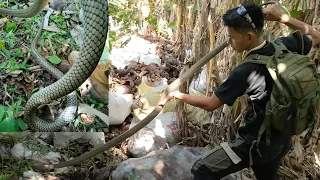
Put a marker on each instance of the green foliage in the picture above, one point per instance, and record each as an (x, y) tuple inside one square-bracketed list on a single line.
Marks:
[(99, 125), (110, 39), (8, 117), (13, 65), (11, 169), (11, 27), (151, 19), (172, 25), (125, 14), (90, 127), (95, 103), (54, 59)]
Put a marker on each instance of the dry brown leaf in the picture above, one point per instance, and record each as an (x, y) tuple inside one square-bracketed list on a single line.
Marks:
[(298, 149), (86, 119), (54, 29), (15, 73), (3, 20), (84, 108)]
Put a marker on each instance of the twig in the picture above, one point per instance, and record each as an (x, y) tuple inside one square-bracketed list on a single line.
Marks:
[(238, 118), (315, 12), (35, 68)]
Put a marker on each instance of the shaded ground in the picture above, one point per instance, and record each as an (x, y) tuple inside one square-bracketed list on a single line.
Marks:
[(95, 168)]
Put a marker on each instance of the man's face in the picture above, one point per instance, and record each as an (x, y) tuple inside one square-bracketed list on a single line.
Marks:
[(238, 41)]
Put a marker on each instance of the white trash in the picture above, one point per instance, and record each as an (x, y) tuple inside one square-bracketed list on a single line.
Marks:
[(119, 107)]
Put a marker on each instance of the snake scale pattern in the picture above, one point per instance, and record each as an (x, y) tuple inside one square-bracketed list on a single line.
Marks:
[(94, 39), (70, 110)]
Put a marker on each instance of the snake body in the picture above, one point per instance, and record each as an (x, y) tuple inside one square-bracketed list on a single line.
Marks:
[(69, 112), (94, 39), (29, 12)]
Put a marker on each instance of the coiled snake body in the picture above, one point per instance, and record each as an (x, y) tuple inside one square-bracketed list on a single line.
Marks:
[(94, 39), (69, 112)]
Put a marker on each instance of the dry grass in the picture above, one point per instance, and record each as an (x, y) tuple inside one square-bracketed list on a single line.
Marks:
[(302, 161)]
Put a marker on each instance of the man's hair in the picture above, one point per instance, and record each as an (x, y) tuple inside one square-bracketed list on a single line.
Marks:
[(232, 19)]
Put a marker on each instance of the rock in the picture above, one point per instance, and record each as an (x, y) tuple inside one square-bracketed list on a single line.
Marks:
[(145, 141), (20, 152), (72, 57), (159, 133), (64, 66), (33, 175), (57, 5), (62, 139), (101, 174), (174, 163), (95, 138)]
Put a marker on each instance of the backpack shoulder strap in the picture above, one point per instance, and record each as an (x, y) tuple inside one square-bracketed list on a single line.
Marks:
[(279, 47), (299, 37), (258, 59)]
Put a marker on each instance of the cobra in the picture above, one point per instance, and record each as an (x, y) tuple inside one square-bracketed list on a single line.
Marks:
[(95, 34)]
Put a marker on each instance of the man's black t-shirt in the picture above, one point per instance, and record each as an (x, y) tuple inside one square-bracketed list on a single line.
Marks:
[(255, 81)]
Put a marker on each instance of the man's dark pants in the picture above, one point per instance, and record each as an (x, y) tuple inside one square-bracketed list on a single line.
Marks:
[(216, 164)]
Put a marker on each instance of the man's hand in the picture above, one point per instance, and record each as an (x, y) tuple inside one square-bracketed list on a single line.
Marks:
[(174, 94), (273, 13)]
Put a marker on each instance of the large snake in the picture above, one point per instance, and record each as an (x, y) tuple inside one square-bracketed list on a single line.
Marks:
[(69, 112), (94, 39)]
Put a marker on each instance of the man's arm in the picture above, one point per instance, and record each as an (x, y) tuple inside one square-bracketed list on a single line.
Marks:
[(273, 13), (206, 103)]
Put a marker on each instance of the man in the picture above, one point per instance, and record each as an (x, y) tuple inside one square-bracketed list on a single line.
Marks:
[(245, 34)]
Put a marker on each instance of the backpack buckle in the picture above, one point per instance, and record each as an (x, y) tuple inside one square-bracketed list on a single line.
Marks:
[(257, 57)]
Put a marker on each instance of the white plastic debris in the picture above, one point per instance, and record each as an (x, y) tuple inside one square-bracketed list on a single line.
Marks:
[(119, 107), (200, 83), (137, 49)]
